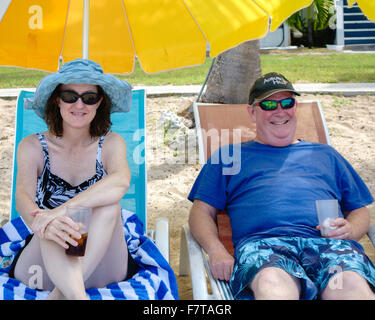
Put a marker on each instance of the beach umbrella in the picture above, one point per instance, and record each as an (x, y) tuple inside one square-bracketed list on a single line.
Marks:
[(162, 34)]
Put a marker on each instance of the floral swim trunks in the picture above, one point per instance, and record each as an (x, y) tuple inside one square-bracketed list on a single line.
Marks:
[(313, 260)]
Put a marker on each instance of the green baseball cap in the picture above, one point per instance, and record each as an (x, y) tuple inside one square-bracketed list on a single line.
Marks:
[(269, 84)]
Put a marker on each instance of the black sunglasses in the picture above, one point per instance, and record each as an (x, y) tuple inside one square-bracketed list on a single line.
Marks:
[(70, 96), (269, 105)]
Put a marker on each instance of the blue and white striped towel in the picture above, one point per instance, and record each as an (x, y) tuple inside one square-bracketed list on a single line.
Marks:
[(155, 280)]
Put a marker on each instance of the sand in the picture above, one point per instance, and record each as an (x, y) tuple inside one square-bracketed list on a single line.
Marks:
[(350, 121)]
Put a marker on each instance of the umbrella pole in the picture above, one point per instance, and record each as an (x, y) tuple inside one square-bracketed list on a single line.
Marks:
[(85, 33), (3, 7), (205, 81)]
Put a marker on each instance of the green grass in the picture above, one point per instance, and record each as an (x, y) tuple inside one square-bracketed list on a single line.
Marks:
[(188, 75), (325, 68), (19, 78), (308, 67), (11, 77)]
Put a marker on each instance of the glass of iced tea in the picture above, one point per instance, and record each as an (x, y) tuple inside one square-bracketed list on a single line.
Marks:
[(82, 216)]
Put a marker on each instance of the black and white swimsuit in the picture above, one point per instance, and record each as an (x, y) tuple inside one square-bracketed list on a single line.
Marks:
[(52, 191)]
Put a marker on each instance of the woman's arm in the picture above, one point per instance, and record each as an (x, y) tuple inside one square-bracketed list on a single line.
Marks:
[(29, 162), (108, 190), (29, 166), (112, 187)]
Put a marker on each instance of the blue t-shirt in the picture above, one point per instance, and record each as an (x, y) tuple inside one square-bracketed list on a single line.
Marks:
[(271, 191)]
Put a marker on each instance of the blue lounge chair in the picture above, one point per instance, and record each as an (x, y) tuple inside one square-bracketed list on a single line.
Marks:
[(156, 279)]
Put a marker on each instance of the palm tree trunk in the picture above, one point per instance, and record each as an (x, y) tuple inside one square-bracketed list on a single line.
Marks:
[(310, 27), (233, 74)]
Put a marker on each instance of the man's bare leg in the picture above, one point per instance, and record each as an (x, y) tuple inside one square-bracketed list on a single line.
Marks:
[(275, 284), (347, 285)]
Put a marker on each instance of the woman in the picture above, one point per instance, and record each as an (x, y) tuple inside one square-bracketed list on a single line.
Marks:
[(78, 161)]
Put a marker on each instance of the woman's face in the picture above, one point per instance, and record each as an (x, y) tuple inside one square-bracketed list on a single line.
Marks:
[(78, 114)]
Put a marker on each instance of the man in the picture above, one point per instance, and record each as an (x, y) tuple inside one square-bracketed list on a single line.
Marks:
[(279, 251)]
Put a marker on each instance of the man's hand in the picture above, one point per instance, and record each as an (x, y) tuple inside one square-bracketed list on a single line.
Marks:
[(221, 264), (202, 222), (343, 229)]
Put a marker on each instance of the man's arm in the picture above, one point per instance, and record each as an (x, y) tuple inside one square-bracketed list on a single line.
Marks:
[(202, 222), (354, 226)]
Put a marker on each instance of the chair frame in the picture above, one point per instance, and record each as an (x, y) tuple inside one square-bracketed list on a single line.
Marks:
[(192, 256)]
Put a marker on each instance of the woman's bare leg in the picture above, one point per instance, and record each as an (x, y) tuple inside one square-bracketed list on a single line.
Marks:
[(105, 258), (30, 268), (41, 265), (64, 271)]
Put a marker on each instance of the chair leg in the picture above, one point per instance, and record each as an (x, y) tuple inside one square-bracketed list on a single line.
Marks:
[(184, 255), (191, 258)]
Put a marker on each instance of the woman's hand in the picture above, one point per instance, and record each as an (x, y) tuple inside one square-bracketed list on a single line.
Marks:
[(41, 220), (59, 228)]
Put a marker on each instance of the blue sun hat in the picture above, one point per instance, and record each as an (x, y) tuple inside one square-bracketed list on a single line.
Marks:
[(82, 71)]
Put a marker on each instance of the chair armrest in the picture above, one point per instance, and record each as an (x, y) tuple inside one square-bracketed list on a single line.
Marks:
[(161, 236), (192, 255), (192, 258)]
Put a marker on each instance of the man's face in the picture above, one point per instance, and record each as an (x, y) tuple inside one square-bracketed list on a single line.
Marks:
[(276, 127)]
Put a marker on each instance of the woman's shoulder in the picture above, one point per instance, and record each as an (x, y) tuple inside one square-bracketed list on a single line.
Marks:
[(113, 149), (30, 149), (113, 138), (112, 143), (31, 141)]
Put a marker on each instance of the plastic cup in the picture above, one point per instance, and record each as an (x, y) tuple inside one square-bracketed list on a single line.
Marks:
[(327, 212), (82, 216)]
